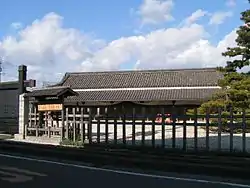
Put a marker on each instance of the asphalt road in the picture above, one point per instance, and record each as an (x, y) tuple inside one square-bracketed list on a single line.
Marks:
[(31, 172)]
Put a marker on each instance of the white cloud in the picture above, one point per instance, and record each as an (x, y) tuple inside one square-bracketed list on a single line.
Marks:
[(49, 49), (155, 11), (16, 25), (231, 3), (219, 17), (185, 47), (195, 16)]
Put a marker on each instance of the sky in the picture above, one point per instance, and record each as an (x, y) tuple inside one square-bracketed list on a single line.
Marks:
[(55, 37)]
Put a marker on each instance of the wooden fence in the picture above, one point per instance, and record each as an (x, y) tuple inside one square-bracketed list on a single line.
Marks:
[(142, 126)]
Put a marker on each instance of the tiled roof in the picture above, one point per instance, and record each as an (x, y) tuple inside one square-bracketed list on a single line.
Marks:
[(50, 92), (140, 79), (142, 95), (103, 86)]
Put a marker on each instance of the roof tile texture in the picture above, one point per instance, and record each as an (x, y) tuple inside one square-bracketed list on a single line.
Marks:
[(140, 79)]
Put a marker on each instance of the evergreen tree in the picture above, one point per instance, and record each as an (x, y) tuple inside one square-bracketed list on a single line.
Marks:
[(235, 85)]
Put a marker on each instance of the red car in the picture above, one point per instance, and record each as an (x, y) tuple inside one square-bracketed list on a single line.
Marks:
[(167, 118)]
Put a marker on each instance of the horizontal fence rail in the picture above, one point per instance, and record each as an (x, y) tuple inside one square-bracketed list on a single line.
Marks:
[(153, 126)]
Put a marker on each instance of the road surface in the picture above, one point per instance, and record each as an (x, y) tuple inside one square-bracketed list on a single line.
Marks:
[(32, 172)]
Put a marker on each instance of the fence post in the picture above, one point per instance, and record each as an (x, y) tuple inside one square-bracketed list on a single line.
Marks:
[(133, 126), (46, 120), (74, 124), (153, 126), (90, 126), (163, 127), (36, 131), (106, 125), (195, 130), (98, 132), (231, 128), (207, 129), (82, 125), (62, 124), (244, 131), (49, 132), (185, 130), (123, 125), (26, 130), (67, 124), (219, 129), (173, 126), (143, 126), (115, 125)]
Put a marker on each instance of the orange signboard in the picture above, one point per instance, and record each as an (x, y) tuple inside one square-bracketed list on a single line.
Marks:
[(50, 107)]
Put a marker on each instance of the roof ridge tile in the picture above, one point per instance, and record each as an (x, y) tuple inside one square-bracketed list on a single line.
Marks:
[(213, 69)]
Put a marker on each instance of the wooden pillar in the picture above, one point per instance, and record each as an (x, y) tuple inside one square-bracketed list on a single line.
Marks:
[(107, 125), (163, 127), (143, 112), (184, 129), (133, 126), (40, 116), (153, 126), (67, 124), (46, 120), (173, 125), (30, 116), (123, 124), (90, 125), (62, 124), (74, 124), (98, 138), (82, 125)]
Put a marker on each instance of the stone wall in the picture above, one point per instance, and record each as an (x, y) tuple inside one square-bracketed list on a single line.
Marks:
[(23, 116)]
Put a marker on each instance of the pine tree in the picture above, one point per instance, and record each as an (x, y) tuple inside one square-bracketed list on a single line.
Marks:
[(235, 85)]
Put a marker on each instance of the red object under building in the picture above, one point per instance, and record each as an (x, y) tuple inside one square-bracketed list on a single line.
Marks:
[(167, 118)]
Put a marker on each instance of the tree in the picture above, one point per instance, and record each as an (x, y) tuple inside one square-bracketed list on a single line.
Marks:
[(235, 85), (234, 95)]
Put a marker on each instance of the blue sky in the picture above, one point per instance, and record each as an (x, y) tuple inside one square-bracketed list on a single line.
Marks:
[(109, 19), (132, 24)]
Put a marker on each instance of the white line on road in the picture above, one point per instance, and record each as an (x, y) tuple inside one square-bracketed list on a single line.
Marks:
[(21, 171), (15, 178), (126, 172)]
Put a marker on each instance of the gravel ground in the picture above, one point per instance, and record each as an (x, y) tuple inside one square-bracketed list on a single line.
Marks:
[(201, 139), (213, 137)]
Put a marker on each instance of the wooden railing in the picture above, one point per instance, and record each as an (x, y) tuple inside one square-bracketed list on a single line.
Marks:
[(44, 131)]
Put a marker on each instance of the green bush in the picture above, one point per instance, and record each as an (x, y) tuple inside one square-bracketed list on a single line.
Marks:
[(68, 142)]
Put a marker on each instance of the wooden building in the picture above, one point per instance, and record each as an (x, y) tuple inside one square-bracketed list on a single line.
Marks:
[(116, 94)]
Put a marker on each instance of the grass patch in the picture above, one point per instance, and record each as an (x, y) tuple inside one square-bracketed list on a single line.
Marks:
[(71, 143), (5, 136)]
